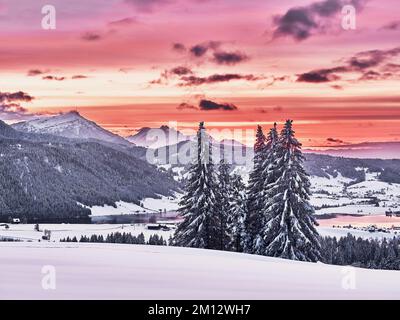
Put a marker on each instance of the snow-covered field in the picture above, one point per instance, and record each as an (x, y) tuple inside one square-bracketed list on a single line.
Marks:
[(361, 221), (359, 209), (26, 232), (343, 232), (112, 271), (339, 198)]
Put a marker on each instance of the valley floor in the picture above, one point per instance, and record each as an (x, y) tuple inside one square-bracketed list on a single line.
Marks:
[(115, 271)]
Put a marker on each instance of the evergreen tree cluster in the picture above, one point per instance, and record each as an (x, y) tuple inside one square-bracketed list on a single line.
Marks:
[(270, 216), (118, 237), (213, 205), (364, 253)]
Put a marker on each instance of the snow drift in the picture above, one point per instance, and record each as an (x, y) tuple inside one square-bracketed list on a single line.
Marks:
[(109, 271)]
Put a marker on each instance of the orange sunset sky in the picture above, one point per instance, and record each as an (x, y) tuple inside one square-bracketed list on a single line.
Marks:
[(132, 63)]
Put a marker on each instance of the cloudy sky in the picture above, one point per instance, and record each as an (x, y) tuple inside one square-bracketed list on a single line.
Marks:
[(132, 63)]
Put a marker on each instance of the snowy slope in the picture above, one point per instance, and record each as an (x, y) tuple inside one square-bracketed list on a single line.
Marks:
[(148, 205), (109, 271), (121, 207), (70, 125)]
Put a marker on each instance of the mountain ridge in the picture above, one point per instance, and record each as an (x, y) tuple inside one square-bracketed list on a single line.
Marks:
[(366, 150), (44, 177), (70, 125)]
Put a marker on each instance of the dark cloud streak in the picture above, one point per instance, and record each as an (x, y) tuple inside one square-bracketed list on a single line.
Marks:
[(91, 36), (78, 76), (229, 58), (333, 140), (35, 72), (199, 50), (179, 47), (360, 63), (216, 78), (392, 26), (49, 77), (10, 106), (185, 105), (208, 105), (300, 23)]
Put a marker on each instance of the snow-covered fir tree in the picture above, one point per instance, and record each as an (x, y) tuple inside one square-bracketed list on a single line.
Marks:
[(289, 230), (223, 196), (255, 197), (201, 225), (237, 213), (269, 175), (259, 145)]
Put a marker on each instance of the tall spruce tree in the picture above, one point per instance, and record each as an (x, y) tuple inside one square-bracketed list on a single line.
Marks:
[(237, 213), (255, 196), (289, 230), (269, 176), (223, 196), (201, 225)]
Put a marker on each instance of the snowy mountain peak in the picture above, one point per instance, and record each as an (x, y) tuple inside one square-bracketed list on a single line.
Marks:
[(73, 114), (70, 125), (151, 137)]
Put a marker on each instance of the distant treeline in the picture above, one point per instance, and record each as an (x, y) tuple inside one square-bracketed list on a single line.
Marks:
[(364, 253), (7, 239), (118, 237)]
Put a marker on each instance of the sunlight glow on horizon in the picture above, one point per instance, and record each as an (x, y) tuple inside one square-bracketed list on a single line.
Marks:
[(116, 65)]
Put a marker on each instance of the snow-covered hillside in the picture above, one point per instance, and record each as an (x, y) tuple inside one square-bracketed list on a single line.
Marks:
[(69, 125), (340, 195), (113, 271), (147, 205)]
